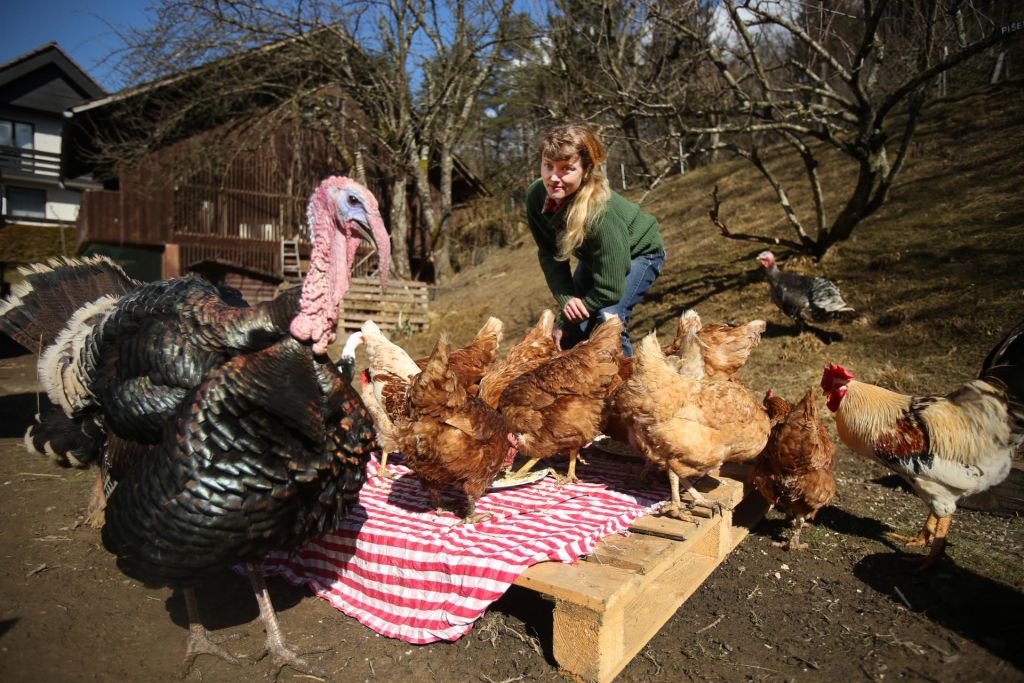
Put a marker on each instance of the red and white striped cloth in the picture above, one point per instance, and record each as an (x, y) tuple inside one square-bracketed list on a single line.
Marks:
[(408, 573)]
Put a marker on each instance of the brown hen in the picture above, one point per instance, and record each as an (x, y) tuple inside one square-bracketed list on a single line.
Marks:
[(535, 348), (556, 407), (457, 440), (724, 348), (794, 472), (686, 426), (472, 361)]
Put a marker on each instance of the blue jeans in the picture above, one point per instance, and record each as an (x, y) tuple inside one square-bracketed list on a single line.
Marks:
[(643, 271)]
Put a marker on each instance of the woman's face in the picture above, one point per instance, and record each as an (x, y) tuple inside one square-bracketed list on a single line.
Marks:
[(561, 178)]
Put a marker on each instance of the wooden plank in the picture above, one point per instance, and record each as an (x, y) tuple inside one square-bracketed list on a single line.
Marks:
[(590, 585), (609, 606), (635, 553)]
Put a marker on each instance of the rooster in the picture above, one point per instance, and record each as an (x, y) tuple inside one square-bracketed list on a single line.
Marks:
[(245, 439), (794, 471), (804, 298), (946, 447)]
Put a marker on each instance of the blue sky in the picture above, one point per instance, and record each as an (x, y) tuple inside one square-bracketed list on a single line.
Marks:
[(81, 29)]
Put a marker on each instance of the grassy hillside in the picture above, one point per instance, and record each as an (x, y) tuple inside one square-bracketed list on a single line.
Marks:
[(936, 272)]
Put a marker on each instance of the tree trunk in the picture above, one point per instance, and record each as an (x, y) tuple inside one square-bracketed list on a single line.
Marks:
[(399, 228), (442, 255), (862, 203), (427, 221)]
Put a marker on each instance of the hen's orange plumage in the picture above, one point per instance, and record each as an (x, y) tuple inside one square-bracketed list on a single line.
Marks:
[(794, 472), (472, 361), (457, 440), (535, 348), (556, 407), (687, 426)]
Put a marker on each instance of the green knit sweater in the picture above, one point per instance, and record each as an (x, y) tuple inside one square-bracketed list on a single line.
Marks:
[(623, 233)]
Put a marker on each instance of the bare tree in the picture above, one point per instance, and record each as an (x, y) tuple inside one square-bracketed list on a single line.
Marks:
[(414, 68), (810, 76)]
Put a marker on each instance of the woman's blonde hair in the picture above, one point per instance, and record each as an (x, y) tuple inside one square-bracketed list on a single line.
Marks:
[(561, 143)]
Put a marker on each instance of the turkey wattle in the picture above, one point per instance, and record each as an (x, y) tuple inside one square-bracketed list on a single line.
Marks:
[(233, 433)]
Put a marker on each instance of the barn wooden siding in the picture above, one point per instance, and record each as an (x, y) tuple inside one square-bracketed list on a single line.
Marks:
[(237, 213)]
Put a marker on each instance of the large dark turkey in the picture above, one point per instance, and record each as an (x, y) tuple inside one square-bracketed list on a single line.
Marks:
[(229, 431), (804, 298)]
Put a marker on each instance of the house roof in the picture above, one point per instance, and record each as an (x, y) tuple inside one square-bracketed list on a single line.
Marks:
[(46, 79), (84, 121)]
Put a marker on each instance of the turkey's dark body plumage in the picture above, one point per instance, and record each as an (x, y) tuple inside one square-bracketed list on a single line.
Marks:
[(229, 439), (244, 469), (806, 298)]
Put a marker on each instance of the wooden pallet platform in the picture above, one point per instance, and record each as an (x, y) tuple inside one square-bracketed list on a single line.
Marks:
[(608, 606)]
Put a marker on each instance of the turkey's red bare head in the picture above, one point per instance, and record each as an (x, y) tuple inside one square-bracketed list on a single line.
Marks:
[(834, 381), (766, 258), (341, 213)]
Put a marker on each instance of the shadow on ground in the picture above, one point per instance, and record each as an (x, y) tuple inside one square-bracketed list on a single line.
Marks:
[(989, 613)]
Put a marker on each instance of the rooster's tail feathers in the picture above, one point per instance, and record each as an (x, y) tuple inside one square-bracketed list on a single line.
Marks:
[(40, 306), (1004, 366)]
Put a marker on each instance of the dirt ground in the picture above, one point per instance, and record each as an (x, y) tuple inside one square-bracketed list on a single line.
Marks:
[(937, 275), (848, 609)]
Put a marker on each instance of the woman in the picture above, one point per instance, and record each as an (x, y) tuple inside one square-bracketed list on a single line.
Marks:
[(571, 210)]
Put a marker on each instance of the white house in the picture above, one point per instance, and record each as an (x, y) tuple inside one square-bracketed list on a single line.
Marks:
[(35, 91)]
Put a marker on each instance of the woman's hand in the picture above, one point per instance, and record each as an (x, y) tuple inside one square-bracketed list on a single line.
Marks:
[(556, 336), (574, 310)]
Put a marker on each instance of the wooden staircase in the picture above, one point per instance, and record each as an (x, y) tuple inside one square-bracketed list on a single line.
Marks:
[(291, 264)]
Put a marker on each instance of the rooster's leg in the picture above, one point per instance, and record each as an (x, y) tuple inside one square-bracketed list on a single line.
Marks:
[(938, 543), (95, 513), (281, 655), (923, 538), (199, 640)]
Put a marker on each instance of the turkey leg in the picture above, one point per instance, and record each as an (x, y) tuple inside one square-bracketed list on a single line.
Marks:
[(281, 655), (199, 640)]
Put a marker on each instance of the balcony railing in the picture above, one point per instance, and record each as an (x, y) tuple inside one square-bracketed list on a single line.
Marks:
[(31, 163)]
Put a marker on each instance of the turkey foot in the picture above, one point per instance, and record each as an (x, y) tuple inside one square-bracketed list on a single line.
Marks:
[(199, 641), (95, 515), (280, 654)]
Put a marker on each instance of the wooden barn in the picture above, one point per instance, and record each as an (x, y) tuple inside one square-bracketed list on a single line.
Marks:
[(235, 216)]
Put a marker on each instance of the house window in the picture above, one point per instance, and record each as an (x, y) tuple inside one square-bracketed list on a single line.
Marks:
[(26, 202), (16, 134)]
